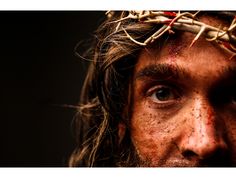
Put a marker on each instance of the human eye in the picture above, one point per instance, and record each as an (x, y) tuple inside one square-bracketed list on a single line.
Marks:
[(163, 95), (227, 96), (230, 95), (233, 99)]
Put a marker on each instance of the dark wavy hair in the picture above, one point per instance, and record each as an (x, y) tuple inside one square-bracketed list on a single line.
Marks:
[(106, 95)]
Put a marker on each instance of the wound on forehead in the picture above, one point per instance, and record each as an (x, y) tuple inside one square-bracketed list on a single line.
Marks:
[(175, 46), (175, 43)]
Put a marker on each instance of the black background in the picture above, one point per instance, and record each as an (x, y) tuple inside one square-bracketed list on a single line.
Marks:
[(39, 73)]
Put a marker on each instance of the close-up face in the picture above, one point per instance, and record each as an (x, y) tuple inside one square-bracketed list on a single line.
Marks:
[(184, 104)]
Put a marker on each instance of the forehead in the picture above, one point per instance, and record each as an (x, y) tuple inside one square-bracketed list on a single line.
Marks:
[(176, 50)]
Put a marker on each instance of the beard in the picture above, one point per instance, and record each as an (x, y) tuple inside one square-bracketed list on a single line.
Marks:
[(131, 158)]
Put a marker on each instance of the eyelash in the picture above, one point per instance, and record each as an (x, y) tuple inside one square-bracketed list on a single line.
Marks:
[(225, 96), (233, 99), (172, 98)]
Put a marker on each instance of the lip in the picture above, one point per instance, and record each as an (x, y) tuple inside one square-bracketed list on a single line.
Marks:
[(175, 162), (181, 163), (196, 163)]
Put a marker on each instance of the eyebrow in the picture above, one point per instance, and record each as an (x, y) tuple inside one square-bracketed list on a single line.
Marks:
[(161, 72)]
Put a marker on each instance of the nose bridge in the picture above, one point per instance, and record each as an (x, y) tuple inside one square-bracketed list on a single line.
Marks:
[(203, 138)]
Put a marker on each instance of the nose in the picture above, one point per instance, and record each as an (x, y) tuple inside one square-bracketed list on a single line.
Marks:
[(204, 136)]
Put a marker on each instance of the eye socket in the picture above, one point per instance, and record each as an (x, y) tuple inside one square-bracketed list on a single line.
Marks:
[(224, 96), (163, 94), (233, 100), (230, 96)]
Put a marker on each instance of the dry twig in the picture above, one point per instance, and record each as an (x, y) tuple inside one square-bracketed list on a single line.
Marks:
[(185, 21)]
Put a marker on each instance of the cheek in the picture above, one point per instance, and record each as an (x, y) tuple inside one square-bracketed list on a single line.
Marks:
[(152, 134), (231, 134)]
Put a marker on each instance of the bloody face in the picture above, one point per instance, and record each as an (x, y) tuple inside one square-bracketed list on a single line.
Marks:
[(184, 105)]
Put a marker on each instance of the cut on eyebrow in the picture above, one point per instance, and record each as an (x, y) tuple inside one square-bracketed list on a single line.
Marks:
[(161, 71)]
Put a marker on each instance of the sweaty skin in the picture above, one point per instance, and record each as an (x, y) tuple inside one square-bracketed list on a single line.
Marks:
[(184, 105)]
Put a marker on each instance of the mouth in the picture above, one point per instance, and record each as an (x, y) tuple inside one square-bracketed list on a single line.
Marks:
[(199, 163), (183, 162)]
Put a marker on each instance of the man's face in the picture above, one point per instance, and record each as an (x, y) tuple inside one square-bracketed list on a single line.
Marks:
[(184, 105)]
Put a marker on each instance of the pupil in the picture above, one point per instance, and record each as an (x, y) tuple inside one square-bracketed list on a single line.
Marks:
[(163, 94)]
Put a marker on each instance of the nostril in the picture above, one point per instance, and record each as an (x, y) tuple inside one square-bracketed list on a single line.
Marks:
[(189, 154), (218, 157)]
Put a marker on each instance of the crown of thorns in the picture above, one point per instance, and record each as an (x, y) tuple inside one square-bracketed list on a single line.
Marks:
[(185, 21)]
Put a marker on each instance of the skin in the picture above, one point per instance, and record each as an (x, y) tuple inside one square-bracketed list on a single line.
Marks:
[(184, 105)]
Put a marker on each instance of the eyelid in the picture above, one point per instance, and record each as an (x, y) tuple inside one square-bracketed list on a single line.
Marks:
[(162, 105), (223, 96), (233, 100), (158, 86), (175, 96)]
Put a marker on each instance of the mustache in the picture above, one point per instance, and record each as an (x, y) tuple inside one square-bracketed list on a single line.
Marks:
[(187, 163), (131, 158), (216, 160)]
